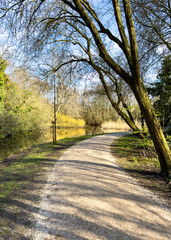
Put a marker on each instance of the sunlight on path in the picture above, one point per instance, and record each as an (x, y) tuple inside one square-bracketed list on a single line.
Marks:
[(88, 197)]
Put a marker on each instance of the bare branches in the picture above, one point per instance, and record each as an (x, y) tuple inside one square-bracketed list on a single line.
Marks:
[(35, 10), (102, 50), (153, 20), (8, 9), (121, 28), (132, 37)]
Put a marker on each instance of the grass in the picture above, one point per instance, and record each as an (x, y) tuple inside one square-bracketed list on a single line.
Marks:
[(16, 172), (139, 159)]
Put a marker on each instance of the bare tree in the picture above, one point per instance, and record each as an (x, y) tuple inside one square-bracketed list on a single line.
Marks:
[(153, 22)]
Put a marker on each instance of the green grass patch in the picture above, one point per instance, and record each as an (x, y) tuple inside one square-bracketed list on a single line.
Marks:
[(138, 153), (139, 159), (16, 174), (129, 142)]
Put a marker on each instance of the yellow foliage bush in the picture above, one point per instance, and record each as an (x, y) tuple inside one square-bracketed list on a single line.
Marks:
[(67, 121)]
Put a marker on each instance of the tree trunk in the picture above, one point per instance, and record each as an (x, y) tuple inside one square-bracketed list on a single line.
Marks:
[(133, 81), (155, 130), (141, 95), (130, 123), (142, 121)]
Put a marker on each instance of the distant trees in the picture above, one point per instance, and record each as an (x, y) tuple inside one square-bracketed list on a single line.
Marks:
[(72, 104), (27, 106), (96, 106), (65, 100), (25, 111)]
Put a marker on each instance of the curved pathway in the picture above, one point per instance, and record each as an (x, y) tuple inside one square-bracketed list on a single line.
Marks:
[(89, 197)]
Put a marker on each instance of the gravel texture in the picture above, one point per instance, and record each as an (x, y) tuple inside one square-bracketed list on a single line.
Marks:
[(87, 196)]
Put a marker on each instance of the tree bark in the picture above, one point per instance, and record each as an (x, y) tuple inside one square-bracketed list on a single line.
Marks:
[(128, 120), (141, 95), (155, 130)]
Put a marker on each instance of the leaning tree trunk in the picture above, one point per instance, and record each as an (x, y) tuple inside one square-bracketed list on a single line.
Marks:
[(155, 130), (141, 95), (130, 50), (129, 120)]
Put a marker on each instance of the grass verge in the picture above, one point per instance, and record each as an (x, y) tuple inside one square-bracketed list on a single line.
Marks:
[(18, 170), (138, 158)]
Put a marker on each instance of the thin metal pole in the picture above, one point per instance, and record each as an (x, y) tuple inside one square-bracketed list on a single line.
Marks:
[(54, 128)]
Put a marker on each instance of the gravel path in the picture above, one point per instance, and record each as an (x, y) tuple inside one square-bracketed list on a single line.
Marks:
[(89, 197)]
